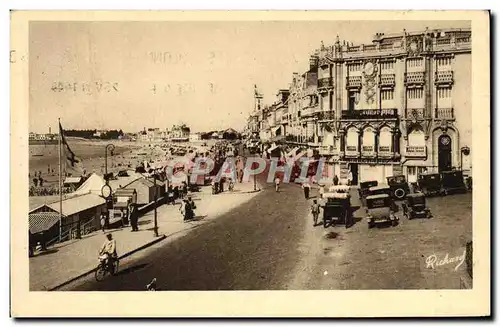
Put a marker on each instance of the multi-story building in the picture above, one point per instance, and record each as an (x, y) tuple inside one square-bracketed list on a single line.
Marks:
[(281, 114), (401, 105)]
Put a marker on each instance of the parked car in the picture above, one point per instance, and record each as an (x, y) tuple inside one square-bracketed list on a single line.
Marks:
[(430, 184), (363, 188), (453, 182), (337, 209), (414, 206), (378, 209), (383, 189), (399, 186)]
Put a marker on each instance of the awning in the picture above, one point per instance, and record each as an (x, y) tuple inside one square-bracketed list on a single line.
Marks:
[(274, 129)]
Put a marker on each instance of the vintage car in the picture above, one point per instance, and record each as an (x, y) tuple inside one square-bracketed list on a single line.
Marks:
[(378, 209), (337, 209), (399, 186), (414, 206), (453, 182), (430, 184), (363, 188), (382, 189)]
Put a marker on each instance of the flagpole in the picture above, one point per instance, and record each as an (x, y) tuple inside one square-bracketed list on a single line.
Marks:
[(60, 183)]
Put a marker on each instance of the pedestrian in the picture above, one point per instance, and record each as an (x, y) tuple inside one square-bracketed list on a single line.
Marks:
[(133, 219), (191, 204), (335, 180), (349, 178), (35, 181), (277, 183), (321, 190), (186, 210), (103, 222), (170, 195), (306, 187), (315, 208)]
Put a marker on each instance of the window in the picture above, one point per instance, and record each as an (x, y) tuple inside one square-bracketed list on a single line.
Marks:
[(415, 93), (444, 93), (387, 95), (414, 62), (354, 67), (443, 61), (387, 65), (412, 170)]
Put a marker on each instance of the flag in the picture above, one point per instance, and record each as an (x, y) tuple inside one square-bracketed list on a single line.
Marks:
[(71, 163)]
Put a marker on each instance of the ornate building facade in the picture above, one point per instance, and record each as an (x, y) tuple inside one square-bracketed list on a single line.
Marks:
[(401, 105)]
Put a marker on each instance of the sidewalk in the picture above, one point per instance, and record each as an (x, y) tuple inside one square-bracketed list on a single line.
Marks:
[(69, 260)]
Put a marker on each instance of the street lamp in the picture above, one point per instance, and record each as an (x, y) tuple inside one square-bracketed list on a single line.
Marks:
[(155, 228), (110, 148)]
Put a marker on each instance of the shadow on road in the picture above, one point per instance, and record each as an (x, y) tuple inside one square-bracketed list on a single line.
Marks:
[(144, 222), (131, 269), (46, 252)]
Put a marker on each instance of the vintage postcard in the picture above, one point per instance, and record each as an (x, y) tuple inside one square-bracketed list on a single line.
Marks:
[(250, 164)]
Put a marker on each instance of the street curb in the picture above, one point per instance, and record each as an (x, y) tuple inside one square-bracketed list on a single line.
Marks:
[(142, 247)]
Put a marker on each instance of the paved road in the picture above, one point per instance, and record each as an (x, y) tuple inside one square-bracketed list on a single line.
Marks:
[(253, 247)]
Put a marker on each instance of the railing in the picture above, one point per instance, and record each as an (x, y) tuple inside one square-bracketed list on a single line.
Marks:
[(384, 151), (308, 112), (354, 81), (444, 77), (444, 113), (369, 114), (414, 78), (388, 79), (351, 151), (326, 115), (370, 47), (325, 82), (328, 150), (413, 151), (386, 46), (368, 151), (416, 113)]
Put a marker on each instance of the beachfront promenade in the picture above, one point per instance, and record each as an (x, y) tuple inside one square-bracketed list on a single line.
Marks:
[(68, 260)]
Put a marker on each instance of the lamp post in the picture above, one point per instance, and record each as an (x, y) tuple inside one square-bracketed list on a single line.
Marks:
[(110, 148), (155, 228)]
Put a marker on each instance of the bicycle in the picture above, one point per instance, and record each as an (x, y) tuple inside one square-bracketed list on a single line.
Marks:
[(103, 268)]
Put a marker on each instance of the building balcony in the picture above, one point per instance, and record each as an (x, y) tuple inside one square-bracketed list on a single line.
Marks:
[(444, 77), (326, 116), (415, 78), (368, 151), (370, 114), (413, 151), (353, 82), (325, 83), (444, 113), (308, 112), (351, 152), (417, 113), (388, 80), (328, 150), (385, 152)]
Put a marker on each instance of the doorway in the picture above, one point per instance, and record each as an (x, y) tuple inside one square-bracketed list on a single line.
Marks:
[(355, 172), (352, 101), (444, 153)]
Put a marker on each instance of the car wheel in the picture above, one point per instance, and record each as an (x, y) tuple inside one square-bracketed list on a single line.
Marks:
[(399, 193), (394, 223)]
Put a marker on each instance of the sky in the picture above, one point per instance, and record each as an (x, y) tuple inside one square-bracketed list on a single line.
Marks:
[(136, 75)]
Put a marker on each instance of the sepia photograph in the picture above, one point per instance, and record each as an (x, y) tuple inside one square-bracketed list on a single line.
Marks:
[(220, 153)]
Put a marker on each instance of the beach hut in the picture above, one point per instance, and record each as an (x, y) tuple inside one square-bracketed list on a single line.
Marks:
[(78, 212), (93, 184), (145, 190)]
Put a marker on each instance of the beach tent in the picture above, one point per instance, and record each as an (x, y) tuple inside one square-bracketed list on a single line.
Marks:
[(93, 185)]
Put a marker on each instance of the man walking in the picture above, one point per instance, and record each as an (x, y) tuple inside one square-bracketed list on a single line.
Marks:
[(277, 184), (315, 208), (306, 187)]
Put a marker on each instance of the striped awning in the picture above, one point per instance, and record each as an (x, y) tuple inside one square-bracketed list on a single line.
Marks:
[(42, 221)]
